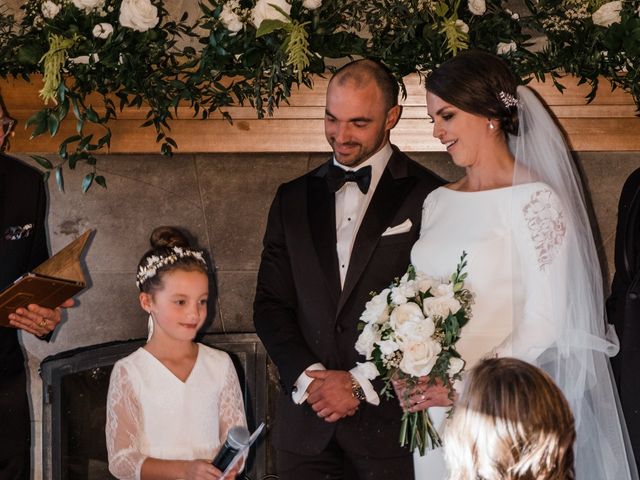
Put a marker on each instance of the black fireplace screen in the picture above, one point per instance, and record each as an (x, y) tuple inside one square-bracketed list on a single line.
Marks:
[(75, 385)]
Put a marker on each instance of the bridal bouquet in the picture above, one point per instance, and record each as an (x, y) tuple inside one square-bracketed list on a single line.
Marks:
[(410, 330)]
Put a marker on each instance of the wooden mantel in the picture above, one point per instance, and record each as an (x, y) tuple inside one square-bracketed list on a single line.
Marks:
[(607, 124)]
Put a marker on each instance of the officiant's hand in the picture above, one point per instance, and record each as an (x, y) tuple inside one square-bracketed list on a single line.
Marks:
[(421, 395), (330, 394), (39, 321)]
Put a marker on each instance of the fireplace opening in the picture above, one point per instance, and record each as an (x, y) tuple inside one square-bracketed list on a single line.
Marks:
[(75, 385)]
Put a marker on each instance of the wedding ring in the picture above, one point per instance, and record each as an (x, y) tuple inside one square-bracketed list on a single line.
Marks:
[(43, 322)]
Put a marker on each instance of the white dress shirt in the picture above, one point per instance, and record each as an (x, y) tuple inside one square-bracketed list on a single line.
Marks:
[(351, 205)]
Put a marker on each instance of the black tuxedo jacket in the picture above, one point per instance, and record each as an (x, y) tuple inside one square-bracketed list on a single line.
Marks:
[(22, 202), (623, 306), (303, 317)]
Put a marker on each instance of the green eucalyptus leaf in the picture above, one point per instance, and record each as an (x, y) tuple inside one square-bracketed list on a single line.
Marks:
[(269, 26), (42, 161), (59, 179), (53, 124), (87, 181), (100, 180)]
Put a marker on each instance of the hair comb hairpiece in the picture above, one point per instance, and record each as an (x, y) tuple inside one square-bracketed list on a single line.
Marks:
[(507, 99), (155, 262)]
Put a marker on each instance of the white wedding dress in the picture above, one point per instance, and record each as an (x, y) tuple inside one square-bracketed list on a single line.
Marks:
[(152, 413), (522, 224)]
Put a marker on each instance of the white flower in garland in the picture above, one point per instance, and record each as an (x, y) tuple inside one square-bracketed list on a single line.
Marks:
[(263, 10), (461, 26), (607, 14), (229, 18), (139, 15), (477, 7), (311, 4), (102, 30), (88, 5), (503, 48), (50, 9)]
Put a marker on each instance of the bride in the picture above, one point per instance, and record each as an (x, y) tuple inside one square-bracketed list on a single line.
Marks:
[(520, 215)]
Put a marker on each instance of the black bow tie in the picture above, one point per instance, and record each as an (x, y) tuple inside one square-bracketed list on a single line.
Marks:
[(337, 177)]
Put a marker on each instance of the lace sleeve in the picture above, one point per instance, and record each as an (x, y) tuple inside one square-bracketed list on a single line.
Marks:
[(231, 404), (540, 236), (124, 426)]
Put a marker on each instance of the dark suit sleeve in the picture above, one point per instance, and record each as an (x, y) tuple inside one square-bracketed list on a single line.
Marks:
[(275, 306), (39, 252)]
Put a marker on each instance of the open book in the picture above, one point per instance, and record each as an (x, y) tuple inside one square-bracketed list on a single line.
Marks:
[(49, 284)]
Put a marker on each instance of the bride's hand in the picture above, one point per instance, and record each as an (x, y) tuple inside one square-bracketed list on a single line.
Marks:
[(421, 394)]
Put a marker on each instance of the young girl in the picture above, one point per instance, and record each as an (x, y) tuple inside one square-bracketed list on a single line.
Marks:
[(511, 423), (172, 402)]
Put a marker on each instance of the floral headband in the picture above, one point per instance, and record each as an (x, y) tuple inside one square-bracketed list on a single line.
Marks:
[(155, 262)]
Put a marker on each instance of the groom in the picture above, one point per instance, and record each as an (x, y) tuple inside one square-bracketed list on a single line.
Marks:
[(333, 236)]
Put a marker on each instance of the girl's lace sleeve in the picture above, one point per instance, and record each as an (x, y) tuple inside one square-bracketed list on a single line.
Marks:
[(540, 241), (124, 426), (231, 404)]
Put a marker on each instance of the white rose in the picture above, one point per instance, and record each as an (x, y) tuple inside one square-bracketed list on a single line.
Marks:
[(102, 30), (230, 18), (477, 7), (607, 14), (420, 357), (406, 312), (515, 16), (84, 59), (440, 306), (311, 4), (397, 296), (423, 282), (504, 48), (367, 370), (367, 339), (443, 290), (415, 331), (462, 27), (388, 347), (50, 9), (376, 310), (263, 11), (455, 365), (88, 5), (139, 15)]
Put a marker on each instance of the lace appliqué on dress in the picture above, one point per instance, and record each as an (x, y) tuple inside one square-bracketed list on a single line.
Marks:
[(546, 224)]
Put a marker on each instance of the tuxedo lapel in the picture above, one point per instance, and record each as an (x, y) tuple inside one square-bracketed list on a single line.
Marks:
[(387, 199), (322, 223)]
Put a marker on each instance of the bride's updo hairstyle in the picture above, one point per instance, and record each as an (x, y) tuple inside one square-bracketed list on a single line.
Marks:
[(170, 251), (511, 423), (480, 83)]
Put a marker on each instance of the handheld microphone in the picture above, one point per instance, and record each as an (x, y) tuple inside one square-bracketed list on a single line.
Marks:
[(237, 438)]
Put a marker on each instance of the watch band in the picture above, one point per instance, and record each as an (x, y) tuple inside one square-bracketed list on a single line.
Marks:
[(356, 390)]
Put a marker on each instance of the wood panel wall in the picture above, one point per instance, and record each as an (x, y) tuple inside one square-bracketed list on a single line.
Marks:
[(609, 123)]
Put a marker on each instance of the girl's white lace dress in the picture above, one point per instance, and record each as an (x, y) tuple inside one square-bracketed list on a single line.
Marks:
[(152, 413)]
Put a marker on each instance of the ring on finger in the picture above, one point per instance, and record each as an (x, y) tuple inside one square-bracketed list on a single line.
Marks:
[(43, 322)]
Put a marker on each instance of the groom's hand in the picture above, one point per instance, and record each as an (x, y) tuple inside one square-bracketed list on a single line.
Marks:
[(331, 396)]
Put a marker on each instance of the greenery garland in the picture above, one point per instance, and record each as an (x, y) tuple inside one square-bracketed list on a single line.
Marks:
[(255, 51)]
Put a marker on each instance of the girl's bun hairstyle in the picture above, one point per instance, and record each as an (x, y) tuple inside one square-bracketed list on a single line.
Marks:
[(165, 236)]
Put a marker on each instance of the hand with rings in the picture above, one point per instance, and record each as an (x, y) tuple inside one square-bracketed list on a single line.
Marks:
[(37, 320), (421, 394)]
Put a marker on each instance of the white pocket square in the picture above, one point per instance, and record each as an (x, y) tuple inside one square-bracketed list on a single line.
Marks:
[(404, 227)]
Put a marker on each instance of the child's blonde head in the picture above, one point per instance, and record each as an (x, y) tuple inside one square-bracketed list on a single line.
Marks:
[(511, 423)]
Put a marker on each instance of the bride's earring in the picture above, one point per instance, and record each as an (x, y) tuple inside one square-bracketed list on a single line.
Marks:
[(491, 126), (149, 326)]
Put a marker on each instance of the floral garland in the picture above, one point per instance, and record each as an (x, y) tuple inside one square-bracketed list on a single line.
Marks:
[(129, 53)]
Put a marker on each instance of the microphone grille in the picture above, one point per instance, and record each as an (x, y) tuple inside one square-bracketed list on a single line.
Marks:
[(238, 436)]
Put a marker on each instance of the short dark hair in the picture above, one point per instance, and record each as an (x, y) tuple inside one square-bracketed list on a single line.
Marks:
[(364, 70), (473, 81)]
